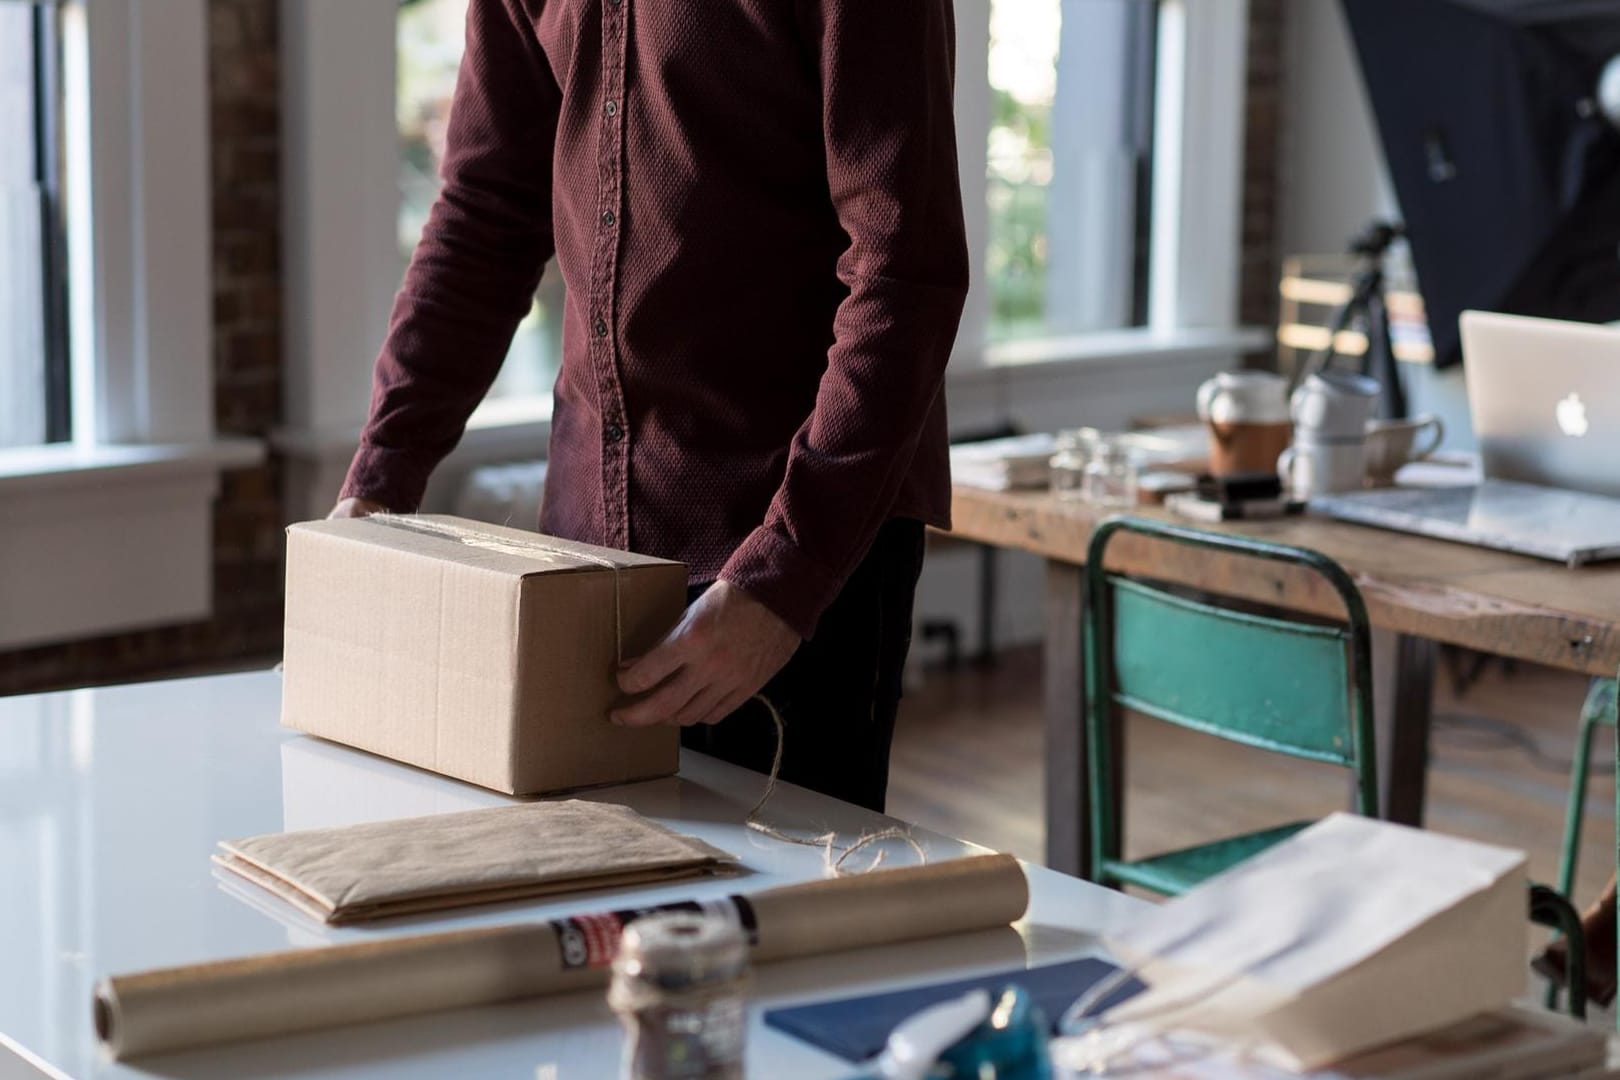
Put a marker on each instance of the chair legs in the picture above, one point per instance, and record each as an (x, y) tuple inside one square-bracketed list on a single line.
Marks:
[(1549, 907), (1598, 711)]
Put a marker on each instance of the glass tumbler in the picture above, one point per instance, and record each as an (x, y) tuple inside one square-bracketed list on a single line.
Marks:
[(1110, 475)]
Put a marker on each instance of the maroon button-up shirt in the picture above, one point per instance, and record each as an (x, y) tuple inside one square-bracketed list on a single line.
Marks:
[(754, 205)]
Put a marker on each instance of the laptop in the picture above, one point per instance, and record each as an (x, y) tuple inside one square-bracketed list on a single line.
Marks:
[(1545, 399)]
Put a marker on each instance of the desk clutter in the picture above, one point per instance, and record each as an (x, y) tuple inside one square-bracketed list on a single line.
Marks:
[(338, 985), (1287, 965), (1413, 978), (1319, 440)]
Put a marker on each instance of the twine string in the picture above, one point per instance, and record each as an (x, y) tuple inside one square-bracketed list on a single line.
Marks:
[(834, 858)]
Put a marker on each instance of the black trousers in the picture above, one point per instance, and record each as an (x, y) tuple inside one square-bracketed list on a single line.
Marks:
[(839, 694)]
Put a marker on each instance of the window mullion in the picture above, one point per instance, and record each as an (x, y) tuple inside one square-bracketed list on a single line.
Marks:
[(53, 235)]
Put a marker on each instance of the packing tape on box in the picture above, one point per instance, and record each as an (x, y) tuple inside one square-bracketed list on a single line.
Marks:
[(523, 549), (308, 989)]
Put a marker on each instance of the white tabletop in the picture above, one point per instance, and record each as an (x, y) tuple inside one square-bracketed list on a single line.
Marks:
[(112, 800)]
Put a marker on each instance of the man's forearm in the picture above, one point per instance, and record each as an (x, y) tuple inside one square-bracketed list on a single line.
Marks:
[(475, 270)]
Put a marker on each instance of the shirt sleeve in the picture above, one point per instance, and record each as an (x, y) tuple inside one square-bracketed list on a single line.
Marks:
[(886, 72), (479, 261)]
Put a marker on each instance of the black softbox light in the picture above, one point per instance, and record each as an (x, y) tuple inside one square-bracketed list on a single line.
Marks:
[(1507, 175)]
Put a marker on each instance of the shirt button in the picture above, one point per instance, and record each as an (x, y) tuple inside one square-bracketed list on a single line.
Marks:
[(601, 328), (611, 108), (614, 433), (608, 218)]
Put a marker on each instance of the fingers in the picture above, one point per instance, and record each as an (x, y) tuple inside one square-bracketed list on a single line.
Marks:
[(728, 703), (700, 708), (353, 507), (653, 668), (662, 705)]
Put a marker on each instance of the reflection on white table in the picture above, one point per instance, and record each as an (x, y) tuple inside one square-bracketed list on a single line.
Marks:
[(111, 801)]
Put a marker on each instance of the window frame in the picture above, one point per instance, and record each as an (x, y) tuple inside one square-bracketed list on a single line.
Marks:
[(1195, 244), (48, 168), (139, 223), (144, 460), (42, 41)]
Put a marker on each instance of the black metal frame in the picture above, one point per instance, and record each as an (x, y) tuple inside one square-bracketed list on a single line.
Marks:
[(1549, 907), (1143, 103), (48, 172)]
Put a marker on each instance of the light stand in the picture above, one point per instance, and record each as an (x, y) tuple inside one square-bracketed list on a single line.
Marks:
[(1366, 304)]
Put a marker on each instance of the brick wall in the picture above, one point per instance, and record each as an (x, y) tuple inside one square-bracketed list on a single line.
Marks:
[(1261, 150), (247, 397)]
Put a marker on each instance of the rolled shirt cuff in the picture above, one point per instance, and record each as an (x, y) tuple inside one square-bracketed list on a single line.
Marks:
[(777, 572), (394, 478)]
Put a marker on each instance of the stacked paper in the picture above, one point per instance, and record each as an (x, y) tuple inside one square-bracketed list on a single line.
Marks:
[(1023, 461), (1519, 1043)]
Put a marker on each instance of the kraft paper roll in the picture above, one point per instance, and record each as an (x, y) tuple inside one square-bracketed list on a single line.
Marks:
[(303, 990)]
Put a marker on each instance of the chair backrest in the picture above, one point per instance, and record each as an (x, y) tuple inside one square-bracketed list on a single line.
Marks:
[(1282, 684)]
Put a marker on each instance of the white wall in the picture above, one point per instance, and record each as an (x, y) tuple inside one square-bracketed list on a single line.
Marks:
[(1332, 174), (1333, 177)]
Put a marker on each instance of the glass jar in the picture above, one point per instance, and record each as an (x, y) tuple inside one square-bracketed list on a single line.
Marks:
[(680, 984), (1068, 466), (1110, 475)]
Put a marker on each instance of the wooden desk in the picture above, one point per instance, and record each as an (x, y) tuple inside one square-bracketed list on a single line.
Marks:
[(1421, 591)]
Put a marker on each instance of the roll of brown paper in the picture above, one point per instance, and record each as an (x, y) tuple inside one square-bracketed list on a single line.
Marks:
[(302, 990)]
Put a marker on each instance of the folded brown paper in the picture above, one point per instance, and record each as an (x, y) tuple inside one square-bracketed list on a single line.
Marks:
[(303, 990), (385, 868)]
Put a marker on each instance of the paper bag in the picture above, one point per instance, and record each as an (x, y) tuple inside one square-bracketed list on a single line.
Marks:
[(1350, 935)]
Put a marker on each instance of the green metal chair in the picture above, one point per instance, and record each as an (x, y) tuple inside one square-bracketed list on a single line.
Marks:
[(1305, 691), (1287, 685), (1599, 711)]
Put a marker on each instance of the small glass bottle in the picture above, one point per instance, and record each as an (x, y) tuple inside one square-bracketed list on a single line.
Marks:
[(680, 984), (1110, 475), (1068, 465)]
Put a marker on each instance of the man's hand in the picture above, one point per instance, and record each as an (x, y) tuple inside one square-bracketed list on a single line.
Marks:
[(353, 508), (725, 648)]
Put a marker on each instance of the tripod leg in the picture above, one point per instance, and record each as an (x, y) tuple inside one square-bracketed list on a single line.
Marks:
[(1323, 357), (1380, 360)]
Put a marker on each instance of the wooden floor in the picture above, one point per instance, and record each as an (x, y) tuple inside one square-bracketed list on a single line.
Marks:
[(967, 761)]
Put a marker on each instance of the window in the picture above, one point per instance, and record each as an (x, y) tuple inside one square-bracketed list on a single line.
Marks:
[(1069, 165), (104, 124), (33, 314), (430, 39)]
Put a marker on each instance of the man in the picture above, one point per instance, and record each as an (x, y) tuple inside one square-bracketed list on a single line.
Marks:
[(755, 207)]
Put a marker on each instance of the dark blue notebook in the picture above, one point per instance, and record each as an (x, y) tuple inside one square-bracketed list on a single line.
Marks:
[(857, 1029)]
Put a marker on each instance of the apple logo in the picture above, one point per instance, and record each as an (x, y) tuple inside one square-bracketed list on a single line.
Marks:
[(1572, 416)]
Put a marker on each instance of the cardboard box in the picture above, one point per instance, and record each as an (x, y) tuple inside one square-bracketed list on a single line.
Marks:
[(479, 652)]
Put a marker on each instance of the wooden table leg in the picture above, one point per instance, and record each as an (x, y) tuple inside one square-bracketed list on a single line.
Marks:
[(1067, 838), (1403, 669)]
